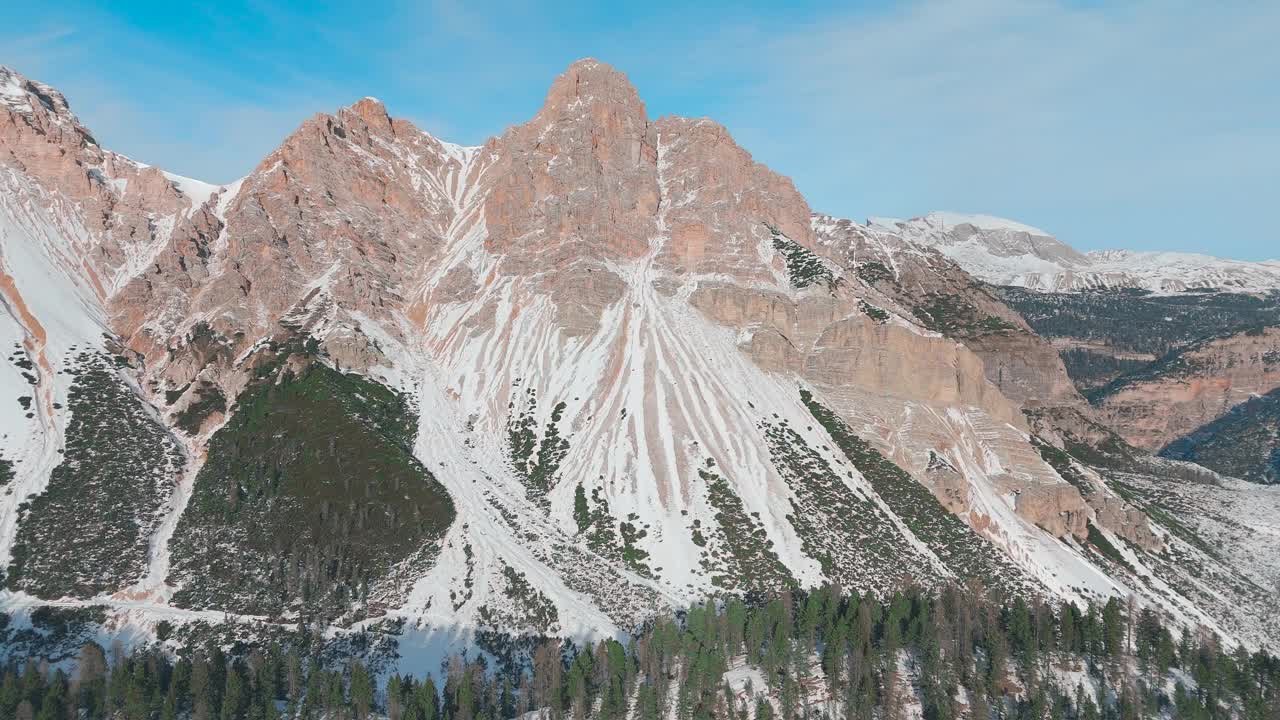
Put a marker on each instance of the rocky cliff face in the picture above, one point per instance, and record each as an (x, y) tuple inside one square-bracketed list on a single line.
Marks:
[(1139, 346), (598, 366), (1156, 340), (921, 282), (943, 297), (1191, 388)]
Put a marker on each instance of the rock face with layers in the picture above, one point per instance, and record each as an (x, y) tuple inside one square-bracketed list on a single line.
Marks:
[(943, 297), (1191, 388), (639, 367)]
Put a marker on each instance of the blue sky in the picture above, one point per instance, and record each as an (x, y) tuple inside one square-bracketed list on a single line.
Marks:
[(1145, 125)]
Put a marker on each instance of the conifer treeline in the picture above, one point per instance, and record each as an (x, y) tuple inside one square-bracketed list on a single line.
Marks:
[(949, 655)]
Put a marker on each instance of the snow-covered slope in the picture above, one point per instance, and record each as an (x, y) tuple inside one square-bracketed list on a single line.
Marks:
[(638, 367), (1004, 252), (50, 313)]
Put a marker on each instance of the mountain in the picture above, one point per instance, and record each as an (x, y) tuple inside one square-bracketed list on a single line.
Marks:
[(1165, 371), (1188, 388), (1175, 350), (597, 369), (1004, 252)]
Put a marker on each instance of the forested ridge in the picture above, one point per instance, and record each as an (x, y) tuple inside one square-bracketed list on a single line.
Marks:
[(1136, 322), (1110, 335), (944, 655)]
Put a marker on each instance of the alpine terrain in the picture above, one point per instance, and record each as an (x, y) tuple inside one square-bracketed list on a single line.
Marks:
[(418, 397), (1179, 352)]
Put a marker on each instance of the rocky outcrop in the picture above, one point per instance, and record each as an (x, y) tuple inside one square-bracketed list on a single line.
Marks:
[(1191, 388), (1126, 521), (932, 370), (580, 178), (938, 293), (1057, 508), (126, 208)]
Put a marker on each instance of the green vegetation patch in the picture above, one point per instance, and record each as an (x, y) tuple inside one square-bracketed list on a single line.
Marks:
[(804, 267), (311, 498), (530, 609), (1174, 364), (1104, 547), (875, 313), (738, 552), (1098, 446), (955, 317), (852, 538), (53, 634), (605, 535), (89, 532), (1061, 461), (1244, 443), (1137, 323), (873, 272), (536, 461), (1090, 369), (209, 401), (1020, 659), (172, 396), (1165, 510)]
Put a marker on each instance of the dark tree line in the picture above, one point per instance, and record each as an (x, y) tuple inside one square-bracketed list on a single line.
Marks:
[(948, 654), (1090, 369)]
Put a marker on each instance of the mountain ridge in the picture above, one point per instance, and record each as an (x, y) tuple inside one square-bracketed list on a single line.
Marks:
[(640, 366)]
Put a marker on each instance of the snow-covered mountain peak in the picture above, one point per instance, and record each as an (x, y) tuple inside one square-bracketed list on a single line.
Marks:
[(946, 221), (27, 97), (951, 220), (10, 83)]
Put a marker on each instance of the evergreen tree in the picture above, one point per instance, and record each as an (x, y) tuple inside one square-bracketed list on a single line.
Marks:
[(362, 690), (581, 512), (235, 696), (1113, 628), (764, 710)]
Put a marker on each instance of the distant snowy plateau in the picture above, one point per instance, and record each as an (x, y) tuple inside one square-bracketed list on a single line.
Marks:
[(1004, 252)]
